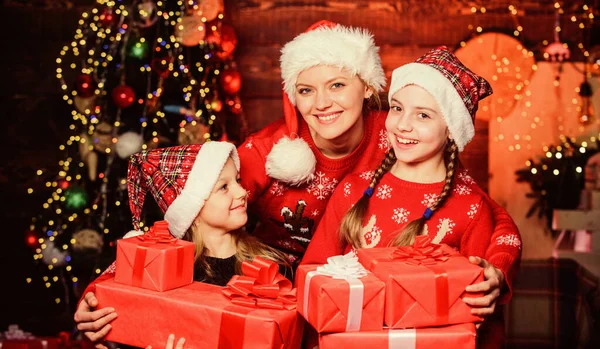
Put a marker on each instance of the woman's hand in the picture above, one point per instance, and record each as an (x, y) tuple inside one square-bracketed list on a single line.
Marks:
[(95, 324), (494, 282)]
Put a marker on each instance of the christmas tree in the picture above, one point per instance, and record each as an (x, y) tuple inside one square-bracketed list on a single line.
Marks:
[(138, 74)]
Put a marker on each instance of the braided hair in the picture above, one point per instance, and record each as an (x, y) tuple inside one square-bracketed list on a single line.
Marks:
[(415, 228), (351, 225)]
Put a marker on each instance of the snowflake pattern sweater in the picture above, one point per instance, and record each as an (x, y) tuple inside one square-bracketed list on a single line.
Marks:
[(465, 221)]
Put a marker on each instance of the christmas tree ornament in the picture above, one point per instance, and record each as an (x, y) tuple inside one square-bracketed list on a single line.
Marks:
[(123, 96), (102, 136), (209, 9), (54, 256), (76, 198), (63, 184), (145, 14), (85, 86), (225, 39), (190, 31), (32, 239), (139, 49), (84, 105), (231, 81), (91, 162), (128, 144), (88, 240)]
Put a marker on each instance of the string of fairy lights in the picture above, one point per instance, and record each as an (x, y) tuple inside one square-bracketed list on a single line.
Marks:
[(161, 37), (521, 139)]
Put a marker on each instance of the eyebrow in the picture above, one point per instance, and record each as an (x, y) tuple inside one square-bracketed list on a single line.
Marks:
[(417, 107), (326, 82)]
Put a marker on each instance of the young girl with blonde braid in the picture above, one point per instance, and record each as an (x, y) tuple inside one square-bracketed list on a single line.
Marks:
[(420, 187), (198, 189)]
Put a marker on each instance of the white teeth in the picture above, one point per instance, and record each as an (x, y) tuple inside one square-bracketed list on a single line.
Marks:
[(329, 117), (406, 141)]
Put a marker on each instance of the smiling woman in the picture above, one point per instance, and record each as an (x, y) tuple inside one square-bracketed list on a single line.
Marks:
[(330, 101)]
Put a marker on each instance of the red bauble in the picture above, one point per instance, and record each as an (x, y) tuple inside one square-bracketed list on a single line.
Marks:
[(32, 239), (224, 37), (231, 80), (123, 96), (85, 85)]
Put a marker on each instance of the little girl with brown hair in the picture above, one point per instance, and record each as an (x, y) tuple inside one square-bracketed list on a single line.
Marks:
[(420, 187)]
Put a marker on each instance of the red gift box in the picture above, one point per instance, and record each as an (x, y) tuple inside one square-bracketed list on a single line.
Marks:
[(198, 312), (462, 336), (155, 260), (425, 283), (338, 305)]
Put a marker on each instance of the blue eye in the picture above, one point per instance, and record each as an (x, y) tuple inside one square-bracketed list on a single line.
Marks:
[(337, 85)]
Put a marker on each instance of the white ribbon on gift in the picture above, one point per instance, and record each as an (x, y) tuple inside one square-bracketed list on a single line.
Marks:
[(402, 339), (348, 268)]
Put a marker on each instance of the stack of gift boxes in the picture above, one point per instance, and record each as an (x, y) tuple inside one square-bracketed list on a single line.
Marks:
[(154, 295), (397, 297)]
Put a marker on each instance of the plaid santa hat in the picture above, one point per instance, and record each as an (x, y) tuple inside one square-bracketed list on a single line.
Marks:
[(324, 43), (180, 178), (456, 89)]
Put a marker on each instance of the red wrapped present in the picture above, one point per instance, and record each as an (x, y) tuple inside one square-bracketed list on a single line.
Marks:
[(462, 336), (340, 296), (425, 283), (204, 315), (155, 260)]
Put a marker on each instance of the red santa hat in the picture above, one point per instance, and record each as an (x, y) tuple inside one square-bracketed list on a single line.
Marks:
[(180, 178), (324, 43), (456, 89)]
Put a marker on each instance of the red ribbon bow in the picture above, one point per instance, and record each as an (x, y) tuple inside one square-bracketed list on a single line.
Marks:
[(261, 286), (422, 252), (159, 233)]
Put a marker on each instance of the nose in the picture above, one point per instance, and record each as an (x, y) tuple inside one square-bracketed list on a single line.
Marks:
[(323, 101), (240, 192), (403, 123)]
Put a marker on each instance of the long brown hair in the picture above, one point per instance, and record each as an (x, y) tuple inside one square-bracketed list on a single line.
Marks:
[(351, 225), (247, 247)]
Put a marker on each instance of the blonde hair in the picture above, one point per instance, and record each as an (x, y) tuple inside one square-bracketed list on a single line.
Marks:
[(351, 225), (247, 248)]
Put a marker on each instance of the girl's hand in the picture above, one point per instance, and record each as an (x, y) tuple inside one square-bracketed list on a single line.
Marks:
[(170, 342), (95, 324), (494, 281)]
